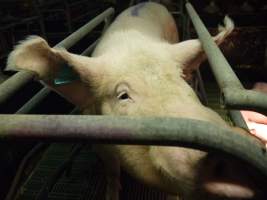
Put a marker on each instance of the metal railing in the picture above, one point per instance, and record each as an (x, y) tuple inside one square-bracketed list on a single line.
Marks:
[(234, 94), (14, 83), (130, 130)]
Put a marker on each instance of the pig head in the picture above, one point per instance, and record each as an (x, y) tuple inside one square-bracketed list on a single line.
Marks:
[(139, 69)]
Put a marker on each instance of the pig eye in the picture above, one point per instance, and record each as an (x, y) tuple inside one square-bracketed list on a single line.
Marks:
[(123, 96), (122, 91)]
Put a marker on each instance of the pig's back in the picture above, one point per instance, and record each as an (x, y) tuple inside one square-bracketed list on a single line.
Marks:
[(146, 21)]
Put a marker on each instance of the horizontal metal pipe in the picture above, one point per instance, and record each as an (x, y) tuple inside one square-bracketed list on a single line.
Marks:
[(235, 96), (132, 130), (11, 85), (245, 99)]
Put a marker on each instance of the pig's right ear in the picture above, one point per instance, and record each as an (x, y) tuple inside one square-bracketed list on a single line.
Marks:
[(34, 54), (189, 54)]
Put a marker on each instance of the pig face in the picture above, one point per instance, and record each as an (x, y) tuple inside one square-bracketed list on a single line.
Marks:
[(140, 83)]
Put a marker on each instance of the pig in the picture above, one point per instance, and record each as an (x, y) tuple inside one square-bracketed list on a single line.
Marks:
[(139, 69)]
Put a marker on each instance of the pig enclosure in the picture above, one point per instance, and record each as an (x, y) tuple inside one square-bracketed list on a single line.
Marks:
[(61, 168)]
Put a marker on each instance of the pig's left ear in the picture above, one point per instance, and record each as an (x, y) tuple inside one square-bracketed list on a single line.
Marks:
[(34, 54), (189, 54)]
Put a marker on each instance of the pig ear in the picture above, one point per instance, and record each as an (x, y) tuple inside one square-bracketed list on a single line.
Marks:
[(189, 54), (34, 54)]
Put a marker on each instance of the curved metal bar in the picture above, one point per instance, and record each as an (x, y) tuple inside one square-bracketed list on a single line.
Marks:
[(132, 130)]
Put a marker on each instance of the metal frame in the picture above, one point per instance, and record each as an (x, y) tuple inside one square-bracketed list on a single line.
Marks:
[(125, 130), (133, 130), (234, 94)]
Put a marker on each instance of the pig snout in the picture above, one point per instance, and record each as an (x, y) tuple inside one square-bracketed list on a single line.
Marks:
[(228, 178)]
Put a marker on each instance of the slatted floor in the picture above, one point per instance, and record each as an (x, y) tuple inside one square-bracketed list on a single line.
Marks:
[(87, 181)]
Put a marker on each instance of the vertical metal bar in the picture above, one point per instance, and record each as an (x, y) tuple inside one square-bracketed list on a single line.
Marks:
[(38, 11), (202, 88), (238, 119), (234, 95), (223, 72), (68, 15), (186, 35)]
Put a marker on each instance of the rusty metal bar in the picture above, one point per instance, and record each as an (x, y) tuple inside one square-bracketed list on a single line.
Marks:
[(132, 130), (234, 94), (11, 85)]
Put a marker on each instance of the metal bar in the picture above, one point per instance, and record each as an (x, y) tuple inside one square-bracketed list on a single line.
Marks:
[(241, 99), (84, 30), (221, 68), (235, 96), (24, 162), (186, 35), (132, 130), (237, 118), (68, 15), (34, 101), (90, 49), (11, 85)]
